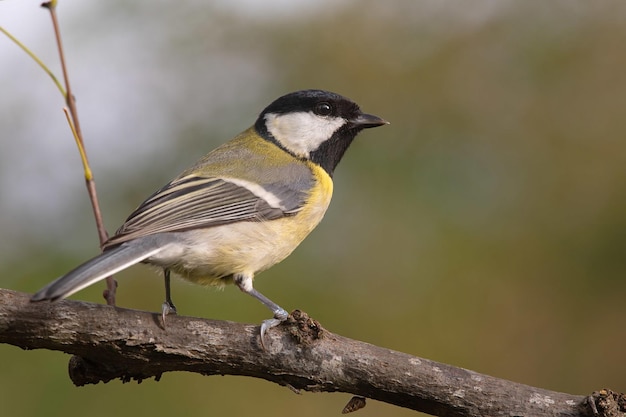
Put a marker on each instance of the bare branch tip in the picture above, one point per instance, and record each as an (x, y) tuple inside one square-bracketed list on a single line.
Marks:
[(49, 4)]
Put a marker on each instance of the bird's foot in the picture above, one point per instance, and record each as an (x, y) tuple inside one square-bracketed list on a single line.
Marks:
[(280, 315), (167, 308)]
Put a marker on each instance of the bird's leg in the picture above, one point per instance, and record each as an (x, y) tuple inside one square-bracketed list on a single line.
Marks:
[(168, 306), (244, 282)]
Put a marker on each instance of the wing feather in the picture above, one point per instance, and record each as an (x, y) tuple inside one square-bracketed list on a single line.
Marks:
[(194, 202)]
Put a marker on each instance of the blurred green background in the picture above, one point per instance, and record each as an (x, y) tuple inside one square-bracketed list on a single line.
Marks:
[(484, 228)]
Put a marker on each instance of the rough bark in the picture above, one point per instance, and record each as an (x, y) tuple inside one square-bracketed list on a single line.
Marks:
[(116, 343)]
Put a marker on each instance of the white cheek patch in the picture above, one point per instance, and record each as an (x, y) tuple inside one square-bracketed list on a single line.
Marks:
[(302, 132)]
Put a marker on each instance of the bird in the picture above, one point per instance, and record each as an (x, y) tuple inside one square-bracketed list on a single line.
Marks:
[(242, 208)]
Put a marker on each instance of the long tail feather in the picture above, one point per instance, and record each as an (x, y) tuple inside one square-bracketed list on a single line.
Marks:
[(96, 269)]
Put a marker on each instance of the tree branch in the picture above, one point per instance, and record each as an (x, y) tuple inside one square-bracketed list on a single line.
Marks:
[(111, 342)]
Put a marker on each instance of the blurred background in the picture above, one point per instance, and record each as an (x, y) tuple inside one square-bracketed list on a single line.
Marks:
[(484, 228)]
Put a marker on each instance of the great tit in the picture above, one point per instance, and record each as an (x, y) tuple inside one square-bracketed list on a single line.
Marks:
[(240, 209)]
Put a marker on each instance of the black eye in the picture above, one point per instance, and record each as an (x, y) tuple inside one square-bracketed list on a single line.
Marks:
[(323, 109)]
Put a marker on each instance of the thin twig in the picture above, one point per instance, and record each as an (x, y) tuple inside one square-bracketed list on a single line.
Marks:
[(109, 293), (79, 144), (35, 58)]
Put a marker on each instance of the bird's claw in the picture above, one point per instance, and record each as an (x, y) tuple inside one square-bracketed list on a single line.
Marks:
[(166, 309), (279, 317)]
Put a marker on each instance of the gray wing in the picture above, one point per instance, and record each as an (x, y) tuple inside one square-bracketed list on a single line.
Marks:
[(193, 202)]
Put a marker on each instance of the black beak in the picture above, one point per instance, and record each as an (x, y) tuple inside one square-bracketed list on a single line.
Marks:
[(364, 121)]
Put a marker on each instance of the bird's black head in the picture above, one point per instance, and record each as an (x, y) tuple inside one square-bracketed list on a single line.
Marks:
[(314, 124)]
